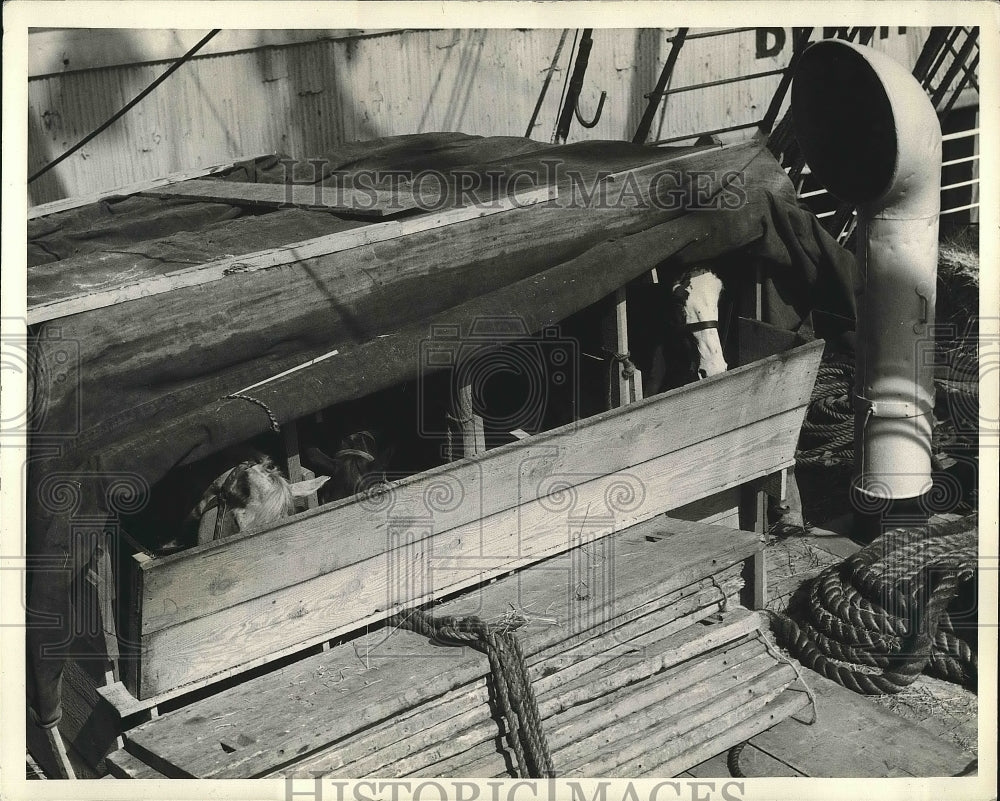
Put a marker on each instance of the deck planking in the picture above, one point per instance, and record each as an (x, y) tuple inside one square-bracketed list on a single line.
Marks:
[(854, 737)]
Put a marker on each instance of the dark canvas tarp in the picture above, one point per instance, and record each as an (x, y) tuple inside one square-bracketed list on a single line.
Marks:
[(150, 391)]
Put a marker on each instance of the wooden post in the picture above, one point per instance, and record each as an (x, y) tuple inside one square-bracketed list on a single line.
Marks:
[(754, 594), (614, 339), (473, 433), (753, 507), (753, 517), (104, 582), (293, 461), (59, 750)]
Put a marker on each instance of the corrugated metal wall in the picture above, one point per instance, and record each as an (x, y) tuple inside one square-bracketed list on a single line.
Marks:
[(305, 97)]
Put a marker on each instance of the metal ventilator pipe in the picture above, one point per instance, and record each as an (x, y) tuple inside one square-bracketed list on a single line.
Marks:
[(872, 137)]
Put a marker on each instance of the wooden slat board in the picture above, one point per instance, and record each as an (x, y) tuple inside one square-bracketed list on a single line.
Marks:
[(565, 674), (419, 570), (336, 687), (361, 202), (215, 576), (56, 206)]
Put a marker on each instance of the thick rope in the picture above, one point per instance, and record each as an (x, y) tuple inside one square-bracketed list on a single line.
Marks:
[(827, 436), (270, 415), (511, 682), (876, 621)]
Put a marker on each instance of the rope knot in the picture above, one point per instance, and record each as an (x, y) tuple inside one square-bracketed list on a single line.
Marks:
[(515, 697), (625, 360)]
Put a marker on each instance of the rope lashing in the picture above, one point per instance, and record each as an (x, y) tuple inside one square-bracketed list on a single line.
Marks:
[(270, 415), (515, 697), (627, 371), (883, 612)]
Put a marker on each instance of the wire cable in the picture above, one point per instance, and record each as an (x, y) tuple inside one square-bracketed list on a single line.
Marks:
[(127, 107)]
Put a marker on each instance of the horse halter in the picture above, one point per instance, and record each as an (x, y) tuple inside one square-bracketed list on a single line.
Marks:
[(221, 500), (362, 435), (701, 325)]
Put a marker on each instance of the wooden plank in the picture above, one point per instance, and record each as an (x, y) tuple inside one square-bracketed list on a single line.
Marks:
[(337, 199), (647, 748), (213, 576), (573, 722), (123, 765), (462, 709), (854, 737), (684, 574), (45, 209), (274, 257), (734, 727), (334, 685), (626, 750), (720, 509), (559, 714), (437, 722), (753, 762), (470, 423), (426, 568)]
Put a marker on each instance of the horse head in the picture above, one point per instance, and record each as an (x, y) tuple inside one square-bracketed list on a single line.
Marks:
[(250, 495), (696, 294)]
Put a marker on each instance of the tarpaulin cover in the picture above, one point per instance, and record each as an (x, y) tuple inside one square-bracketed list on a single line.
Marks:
[(127, 392)]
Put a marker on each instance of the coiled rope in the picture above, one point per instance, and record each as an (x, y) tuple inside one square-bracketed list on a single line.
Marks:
[(876, 621), (827, 436), (516, 699)]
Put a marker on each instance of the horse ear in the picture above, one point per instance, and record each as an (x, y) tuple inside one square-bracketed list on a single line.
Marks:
[(300, 489)]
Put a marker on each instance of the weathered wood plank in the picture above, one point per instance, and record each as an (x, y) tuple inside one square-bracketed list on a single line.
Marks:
[(45, 209), (623, 747), (854, 737), (123, 765), (334, 685), (732, 728), (672, 617), (572, 722), (276, 257), (563, 717), (366, 202), (721, 509), (210, 577), (685, 574), (425, 567)]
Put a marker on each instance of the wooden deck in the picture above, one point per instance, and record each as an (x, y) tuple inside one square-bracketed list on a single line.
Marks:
[(904, 735), (852, 736)]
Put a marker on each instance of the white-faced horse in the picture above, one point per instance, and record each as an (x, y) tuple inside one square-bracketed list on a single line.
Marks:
[(674, 329), (697, 292), (250, 495)]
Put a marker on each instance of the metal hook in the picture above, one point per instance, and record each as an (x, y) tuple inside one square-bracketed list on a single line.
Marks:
[(597, 114)]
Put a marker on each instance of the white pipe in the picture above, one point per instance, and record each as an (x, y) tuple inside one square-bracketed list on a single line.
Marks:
[(872, 137)]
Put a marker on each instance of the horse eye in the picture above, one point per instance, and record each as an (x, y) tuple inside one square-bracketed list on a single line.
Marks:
[(680, 294)]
